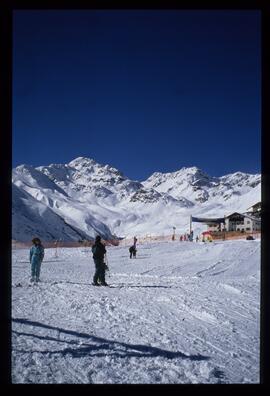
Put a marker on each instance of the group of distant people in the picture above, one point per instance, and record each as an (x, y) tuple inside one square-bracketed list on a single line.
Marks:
[(187, 237), (190, 237), (37, 253)]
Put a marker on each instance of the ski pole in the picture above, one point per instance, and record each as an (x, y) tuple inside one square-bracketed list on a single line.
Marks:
[(106, 261)]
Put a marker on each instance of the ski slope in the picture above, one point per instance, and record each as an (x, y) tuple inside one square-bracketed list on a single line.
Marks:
[(180, 313)]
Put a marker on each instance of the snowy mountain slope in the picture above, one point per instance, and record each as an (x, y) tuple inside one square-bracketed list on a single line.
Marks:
[(180, 313), (44, 193), (31, 180), (97, 198), (31, 217)]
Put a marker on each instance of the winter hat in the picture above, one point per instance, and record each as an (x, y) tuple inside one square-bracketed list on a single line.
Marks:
[(98, 238), (36, 241)]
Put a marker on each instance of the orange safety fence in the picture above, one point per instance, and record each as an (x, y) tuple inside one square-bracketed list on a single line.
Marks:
[(229, 235)]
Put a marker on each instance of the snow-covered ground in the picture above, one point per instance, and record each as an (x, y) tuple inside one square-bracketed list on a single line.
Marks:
[(181, 313)]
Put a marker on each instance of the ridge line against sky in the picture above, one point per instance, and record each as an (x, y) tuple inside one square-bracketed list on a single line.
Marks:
[(159, 172), (142, 90)]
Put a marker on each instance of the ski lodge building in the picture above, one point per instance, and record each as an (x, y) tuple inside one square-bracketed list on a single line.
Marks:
[(249, 221), (242, 222), (255, 210)]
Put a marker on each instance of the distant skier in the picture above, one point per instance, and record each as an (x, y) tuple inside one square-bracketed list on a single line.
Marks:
[(132, 251), (197, 238), (36, 258), (98, 250)]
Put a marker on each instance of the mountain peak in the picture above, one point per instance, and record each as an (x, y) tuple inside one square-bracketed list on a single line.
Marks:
[(83, 161), (191, 169), (24, 167)]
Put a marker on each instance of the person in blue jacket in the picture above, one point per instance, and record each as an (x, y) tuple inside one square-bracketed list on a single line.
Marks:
[(36, 257)]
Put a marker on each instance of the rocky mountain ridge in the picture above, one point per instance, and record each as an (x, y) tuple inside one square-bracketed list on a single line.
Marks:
[(82, 198)]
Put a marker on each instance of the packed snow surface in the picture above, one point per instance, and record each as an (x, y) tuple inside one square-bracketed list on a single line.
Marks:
[(181, 313)]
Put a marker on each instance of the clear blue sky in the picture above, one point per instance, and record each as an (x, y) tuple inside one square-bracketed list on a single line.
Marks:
[(141, 90)]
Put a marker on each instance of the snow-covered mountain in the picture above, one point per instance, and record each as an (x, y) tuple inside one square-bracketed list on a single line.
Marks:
[(199, 187), (82, 198)]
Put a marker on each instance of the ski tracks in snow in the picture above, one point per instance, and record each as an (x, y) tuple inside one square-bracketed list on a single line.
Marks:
[(145, 329)]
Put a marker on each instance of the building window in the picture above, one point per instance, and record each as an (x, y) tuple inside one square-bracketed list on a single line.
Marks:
[(248, 221), (247, 229)]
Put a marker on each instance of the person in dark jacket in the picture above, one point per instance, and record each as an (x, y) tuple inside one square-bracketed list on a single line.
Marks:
[(36, 258), (132, 251), (98, 250)]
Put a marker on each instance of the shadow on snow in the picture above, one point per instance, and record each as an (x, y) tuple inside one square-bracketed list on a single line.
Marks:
[(122, 285), (139, 286), (112, 348)]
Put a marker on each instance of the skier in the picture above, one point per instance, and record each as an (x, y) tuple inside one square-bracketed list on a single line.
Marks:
[(132, 251), (36, 258), (98, 250)]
